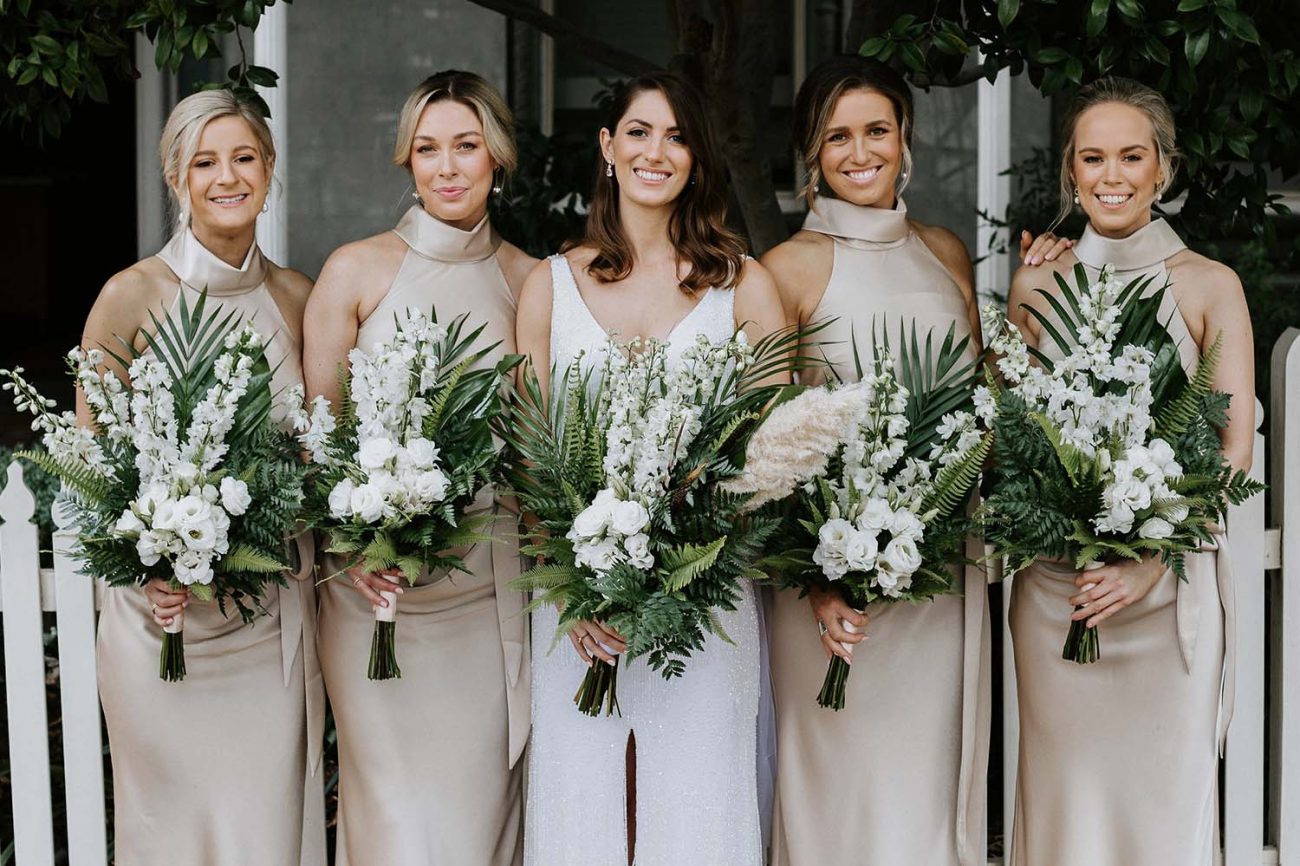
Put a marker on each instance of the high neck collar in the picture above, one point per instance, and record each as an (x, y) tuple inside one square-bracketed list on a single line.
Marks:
[(1145, 248), (842, 219), (435, 239), (199, 268)]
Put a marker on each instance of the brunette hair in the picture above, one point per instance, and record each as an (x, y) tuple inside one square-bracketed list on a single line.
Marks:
[(1124, 91), (822, 89), (474, 92), (697, 227), (184, 127)]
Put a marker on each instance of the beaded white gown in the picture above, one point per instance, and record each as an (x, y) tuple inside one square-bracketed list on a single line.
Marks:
[(696, 793)]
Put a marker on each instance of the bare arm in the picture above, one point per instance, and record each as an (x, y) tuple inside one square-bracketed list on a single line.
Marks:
[(334, 311), (952, 254), (758, 310), (121, 310), (533, 323), (1226, 314)]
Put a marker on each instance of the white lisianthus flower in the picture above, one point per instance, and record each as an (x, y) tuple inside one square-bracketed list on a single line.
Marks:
[(185, 472), (1162, 455), (1118, 518), (599, 556), (860, 550), (590, 522), (1156, 528), (890, 583), (834, 534), (192, 567), (149, 498), (200, 536), (191, 510), (1132, 494), (877, 515), (234, 496), (421, 453), (375, 453), (340, 498), (638, 551), (129, 524), (431, 486), (629, 518), (907, 525), (367, 503), (901, 556), (164, 514), (150, 547)]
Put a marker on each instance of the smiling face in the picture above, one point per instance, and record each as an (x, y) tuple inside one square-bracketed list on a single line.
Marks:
[(228, 178), (1116, 168), (862, 149), (652, 163), (451, 165)]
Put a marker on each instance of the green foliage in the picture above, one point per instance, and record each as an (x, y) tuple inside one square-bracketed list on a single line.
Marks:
[(1227, 76), (43, 484), (55, 54)]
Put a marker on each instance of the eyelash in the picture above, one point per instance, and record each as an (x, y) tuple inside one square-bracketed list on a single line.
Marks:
[(638, 132), (1131, 157)]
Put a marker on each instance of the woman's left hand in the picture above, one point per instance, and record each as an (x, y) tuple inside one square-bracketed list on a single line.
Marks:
[(1115, 587)]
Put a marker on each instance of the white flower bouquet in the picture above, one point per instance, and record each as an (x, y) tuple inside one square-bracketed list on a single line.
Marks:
[(183, 476), (395, 474), (882, 473), (1111, 452), (622, 466)]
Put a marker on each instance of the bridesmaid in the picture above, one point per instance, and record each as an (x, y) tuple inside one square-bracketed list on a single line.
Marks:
[(847, 789), (428, 763), (211, 770), (1119, 759)]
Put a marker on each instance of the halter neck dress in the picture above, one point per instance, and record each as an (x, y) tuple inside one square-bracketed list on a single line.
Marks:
[(898, 775), (233, 743), (428, 767), (696, 788), (1118, 759)]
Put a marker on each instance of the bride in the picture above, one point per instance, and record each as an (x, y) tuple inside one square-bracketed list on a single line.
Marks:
[(671, 780)]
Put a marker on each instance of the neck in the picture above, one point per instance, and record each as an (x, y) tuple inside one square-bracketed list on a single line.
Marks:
[(465, 224), (646, 229), (1124, 231), (230, 246)]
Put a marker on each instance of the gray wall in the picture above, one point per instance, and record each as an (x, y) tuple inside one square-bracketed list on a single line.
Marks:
[(350, 67)]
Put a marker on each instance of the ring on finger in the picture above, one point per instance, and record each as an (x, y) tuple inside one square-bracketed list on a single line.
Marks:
[(154, 609), (821, 627)]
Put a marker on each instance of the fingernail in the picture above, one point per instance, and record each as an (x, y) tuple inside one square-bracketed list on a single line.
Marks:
[(168, 620), (383, 602), (185, 603), (400, 590), (1038, 260), (610, 662)]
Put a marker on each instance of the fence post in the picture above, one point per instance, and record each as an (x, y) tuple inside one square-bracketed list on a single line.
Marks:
[(1284, 441), (83, 758), (1243, 790), (29, 746)]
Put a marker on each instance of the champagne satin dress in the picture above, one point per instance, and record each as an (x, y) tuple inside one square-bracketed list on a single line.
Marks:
[(1118, 759), (429, 768), (210, 771), (898, 775)]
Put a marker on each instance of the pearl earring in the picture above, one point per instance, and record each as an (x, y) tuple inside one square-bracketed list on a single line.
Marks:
[(609, 168), (266, 206), (1076, 195), (496, 189), (817, 188)]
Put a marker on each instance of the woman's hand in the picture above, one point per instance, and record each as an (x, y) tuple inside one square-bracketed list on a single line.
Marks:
[(1107, 590), (1044, 248), (165, 604), (595, 640), (831, 612), (370, 584)]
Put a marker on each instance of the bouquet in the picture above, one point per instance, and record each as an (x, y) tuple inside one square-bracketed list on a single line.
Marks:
[(1111, 452), (183, 475), (882, 470), (396, 472), (623, 467)]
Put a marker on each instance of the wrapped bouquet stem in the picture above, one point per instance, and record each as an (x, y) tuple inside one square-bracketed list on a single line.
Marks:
[(1083, 644), (1110, 450), (398, 465), (182, 475)]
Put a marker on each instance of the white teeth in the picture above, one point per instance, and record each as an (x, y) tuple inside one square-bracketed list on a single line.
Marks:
[(230, 199), (1113, 199), (864, 173), (650, 175)]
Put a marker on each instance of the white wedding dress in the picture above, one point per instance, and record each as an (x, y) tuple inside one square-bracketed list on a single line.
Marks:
[(696, 791)]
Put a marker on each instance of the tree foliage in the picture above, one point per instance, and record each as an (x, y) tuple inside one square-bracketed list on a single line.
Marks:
[(55, 54), (1229, 69)]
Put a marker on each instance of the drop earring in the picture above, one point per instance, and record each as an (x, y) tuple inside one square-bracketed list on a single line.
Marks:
[(266, 206), (1076, 195), (609, 168)]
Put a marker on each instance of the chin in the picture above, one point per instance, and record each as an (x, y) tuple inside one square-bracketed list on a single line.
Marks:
[(231, 220), (653, 198), (1119, 223), (864, 197), (452, 212)]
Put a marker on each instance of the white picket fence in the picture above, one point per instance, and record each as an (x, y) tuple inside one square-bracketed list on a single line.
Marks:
[(1261, 796)]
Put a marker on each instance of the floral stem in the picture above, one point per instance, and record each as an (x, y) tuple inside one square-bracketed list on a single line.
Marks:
[(171, 660), (1082, 644), (598, 692), (833, 687), (383, 652)]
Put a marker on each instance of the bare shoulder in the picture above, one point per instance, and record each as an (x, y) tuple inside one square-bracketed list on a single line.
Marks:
[(754, 280), (943, 242), (364, 265), (1027, 278), (791, 260), (147, 283), (290, 289), (515, 266), (536, 288), (1193, 274)]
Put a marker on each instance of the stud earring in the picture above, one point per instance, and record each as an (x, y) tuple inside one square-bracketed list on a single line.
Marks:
[(496, 189), (1076, 195), (266, 206), (903, 176), (415, 195), (817, 188), (609, 168)]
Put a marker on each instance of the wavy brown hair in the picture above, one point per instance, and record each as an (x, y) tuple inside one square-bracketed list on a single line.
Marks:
[(697, 228)]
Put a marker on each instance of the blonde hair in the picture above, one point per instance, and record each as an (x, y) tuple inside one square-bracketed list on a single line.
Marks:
[(816, 100), (184, 127), (475, 93), (1123, 91)]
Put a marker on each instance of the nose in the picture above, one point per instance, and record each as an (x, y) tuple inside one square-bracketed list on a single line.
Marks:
[(227, 171), (860, 150), (1112, 173), (654, 148), (446, 165)]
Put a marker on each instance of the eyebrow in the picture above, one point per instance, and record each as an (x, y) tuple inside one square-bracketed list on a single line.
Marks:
[(651, 125), (1124, 149), (847, 127), (457, 137), (238, 147)]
